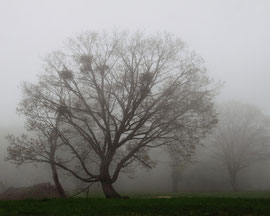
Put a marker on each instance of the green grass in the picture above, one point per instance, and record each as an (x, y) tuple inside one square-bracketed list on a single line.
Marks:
[(199, 204), (240, 194)]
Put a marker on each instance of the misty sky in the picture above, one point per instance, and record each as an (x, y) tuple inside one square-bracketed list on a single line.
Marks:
[(233, 36)]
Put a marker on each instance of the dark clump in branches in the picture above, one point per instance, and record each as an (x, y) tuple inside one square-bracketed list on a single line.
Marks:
[(86, 62), (66, 74)]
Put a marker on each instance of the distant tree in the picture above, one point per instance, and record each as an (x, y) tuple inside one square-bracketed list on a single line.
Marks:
[(118, 96), (241, 138)]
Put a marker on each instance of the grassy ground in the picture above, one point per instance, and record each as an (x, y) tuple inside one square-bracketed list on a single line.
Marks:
[(240, 194), (187, 204)]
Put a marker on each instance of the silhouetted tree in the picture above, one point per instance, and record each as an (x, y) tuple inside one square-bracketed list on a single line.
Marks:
[(118, 96), (241, 138)]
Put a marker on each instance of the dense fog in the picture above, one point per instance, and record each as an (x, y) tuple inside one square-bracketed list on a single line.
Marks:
[(231, 36)]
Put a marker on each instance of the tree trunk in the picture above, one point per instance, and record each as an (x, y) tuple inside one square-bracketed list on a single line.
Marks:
[(109, 191), (175, 179), (234, 182), (57, 182), (53, 144), (105, 180), (175, 185)]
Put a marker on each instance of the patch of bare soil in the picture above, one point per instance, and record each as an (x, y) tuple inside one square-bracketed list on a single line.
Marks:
[(163, 197)]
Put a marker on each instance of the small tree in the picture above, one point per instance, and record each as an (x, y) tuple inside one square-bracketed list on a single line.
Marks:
[(118, 97), (241, 138), (42, 144)]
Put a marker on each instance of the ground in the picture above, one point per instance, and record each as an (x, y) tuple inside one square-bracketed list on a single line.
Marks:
[(214, 204)]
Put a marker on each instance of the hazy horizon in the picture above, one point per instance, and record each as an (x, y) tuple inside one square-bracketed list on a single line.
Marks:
[(232, 37)]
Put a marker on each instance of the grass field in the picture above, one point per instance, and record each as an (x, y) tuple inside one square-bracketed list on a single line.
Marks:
[(248, 203)]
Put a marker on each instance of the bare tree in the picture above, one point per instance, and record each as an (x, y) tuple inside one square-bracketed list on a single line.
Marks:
[(241, 138), (118, 95)]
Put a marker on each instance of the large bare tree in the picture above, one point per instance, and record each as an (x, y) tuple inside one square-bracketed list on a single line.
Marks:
[(241, 138), (117, 95)]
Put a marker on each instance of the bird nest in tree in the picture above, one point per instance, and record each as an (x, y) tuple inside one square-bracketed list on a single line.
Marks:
[(85, 59), (62, 110), (66, 74)]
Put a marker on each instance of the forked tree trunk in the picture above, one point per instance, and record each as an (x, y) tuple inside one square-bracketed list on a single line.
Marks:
[(109, 191), (105, 180)]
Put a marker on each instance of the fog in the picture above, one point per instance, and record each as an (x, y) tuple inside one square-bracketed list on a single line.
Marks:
[(231, 36)]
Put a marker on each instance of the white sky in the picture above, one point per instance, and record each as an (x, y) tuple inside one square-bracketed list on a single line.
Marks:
[(233, 36)]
